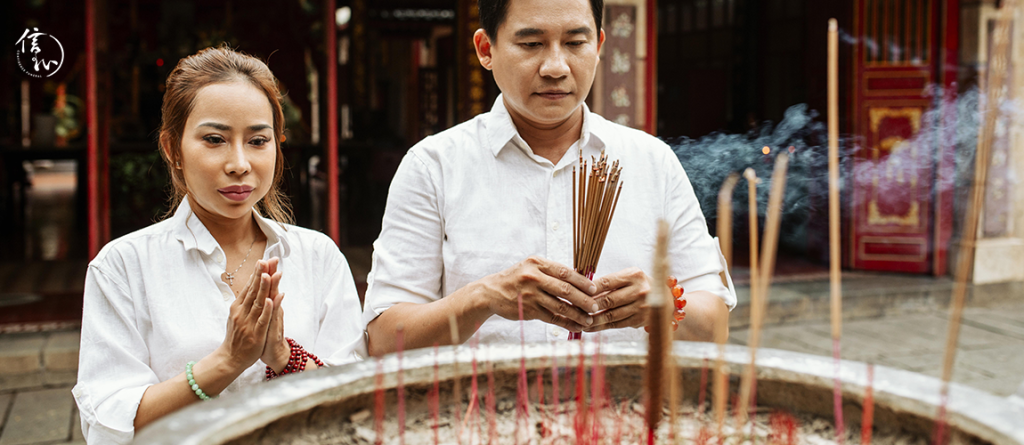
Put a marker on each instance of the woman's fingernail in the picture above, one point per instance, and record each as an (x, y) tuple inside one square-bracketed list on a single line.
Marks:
[(593, 289), (590, 321), (595, 308)]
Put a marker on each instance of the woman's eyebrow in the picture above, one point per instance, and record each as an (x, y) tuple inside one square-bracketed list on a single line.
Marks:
[(223, 127), (215, 125)]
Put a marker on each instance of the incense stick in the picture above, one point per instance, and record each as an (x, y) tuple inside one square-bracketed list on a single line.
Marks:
[(724, 231), (998, 66), (835, 277), (754, 334), (658, 302)]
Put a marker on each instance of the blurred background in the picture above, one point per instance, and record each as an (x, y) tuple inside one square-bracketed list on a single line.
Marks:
[(364, 81)]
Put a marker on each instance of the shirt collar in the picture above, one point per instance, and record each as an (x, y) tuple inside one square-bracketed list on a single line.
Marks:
[(193, 234), (501, 130)]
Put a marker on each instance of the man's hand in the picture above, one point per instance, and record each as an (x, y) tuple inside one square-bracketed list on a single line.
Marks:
[(622, 300), (551, 292)]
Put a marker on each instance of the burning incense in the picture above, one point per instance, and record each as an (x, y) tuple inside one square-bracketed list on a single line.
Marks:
[(835, 278), (596, 193), (725, 217), (453, 325), (996, 78), (659, 308), (754, 335)]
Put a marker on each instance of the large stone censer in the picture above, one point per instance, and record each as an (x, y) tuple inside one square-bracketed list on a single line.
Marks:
[(319, 406)]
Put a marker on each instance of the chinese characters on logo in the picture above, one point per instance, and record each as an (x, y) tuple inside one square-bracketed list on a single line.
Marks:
[(38, 53)]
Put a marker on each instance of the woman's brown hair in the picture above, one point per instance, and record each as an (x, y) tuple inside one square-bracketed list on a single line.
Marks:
[(210, 66)]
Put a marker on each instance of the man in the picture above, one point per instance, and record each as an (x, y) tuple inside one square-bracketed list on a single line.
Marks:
[(481, 214)]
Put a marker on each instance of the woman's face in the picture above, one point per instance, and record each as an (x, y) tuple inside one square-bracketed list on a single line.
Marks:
[(228, 149)]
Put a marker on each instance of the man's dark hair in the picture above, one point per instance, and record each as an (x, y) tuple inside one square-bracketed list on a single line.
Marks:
[(493, 13)]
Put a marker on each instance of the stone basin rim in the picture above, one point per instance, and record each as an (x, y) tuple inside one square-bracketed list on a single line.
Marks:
[(979, 413)]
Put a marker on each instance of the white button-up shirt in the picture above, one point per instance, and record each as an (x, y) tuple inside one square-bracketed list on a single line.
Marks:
[(475, 200), (154, 301)]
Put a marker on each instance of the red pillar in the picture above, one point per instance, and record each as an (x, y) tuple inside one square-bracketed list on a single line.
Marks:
[(92, 132), (651, 66), (946, 174), (332, 122)]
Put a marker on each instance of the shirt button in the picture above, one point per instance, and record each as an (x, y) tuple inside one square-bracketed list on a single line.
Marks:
[(555, 174), (555, 331), (218, 257), (555, 226)]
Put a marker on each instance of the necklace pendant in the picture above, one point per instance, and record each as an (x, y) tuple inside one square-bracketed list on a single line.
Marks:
[(228, 278)]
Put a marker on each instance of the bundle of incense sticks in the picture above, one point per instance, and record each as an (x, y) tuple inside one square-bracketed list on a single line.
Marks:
[(595, 193)]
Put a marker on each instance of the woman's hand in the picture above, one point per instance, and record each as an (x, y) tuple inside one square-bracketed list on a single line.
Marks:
[(250, 316), (276, 351)]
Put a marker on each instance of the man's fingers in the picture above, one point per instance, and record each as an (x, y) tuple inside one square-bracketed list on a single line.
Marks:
[(626, 287), (618, 314), (568, 292), (566, 274), (562, 322), (565, 310), (634, 321), (619, 279)]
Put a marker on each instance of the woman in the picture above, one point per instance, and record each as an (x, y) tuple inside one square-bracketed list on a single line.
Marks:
[(195, 306)]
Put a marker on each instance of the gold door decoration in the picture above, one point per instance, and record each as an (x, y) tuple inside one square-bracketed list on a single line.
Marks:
[(894, 148)]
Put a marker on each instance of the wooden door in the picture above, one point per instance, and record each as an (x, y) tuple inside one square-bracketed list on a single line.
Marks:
[(896, 159)]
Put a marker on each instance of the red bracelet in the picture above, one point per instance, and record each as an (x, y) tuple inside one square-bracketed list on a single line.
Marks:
[(296, 362)]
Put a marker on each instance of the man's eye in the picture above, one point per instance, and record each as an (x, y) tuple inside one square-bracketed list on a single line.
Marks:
[(531, 44), (213, 139), (577, 43)]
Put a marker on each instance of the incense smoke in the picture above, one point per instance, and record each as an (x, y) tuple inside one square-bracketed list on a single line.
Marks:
[(710, 159)]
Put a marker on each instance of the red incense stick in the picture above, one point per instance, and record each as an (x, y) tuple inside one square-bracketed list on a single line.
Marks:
[(492, 414), (868, 415), (435, 395), (399, 337), (522, 388), (378, 405)]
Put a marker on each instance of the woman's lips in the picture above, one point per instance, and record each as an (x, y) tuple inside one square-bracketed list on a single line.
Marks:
[(236, 192)]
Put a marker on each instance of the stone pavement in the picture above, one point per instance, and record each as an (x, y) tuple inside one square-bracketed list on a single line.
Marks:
[(990, 355), (37, 371)]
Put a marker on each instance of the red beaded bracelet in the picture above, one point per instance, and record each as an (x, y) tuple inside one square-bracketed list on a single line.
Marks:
[(296, 362)]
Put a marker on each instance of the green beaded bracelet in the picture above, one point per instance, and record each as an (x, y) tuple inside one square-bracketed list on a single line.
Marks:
[(192, 382)]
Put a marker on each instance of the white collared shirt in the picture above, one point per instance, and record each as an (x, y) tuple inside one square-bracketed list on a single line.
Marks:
[(475, 200), (154, 301)]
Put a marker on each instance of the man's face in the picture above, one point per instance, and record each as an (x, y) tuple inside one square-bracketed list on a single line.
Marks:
[(544, 58)]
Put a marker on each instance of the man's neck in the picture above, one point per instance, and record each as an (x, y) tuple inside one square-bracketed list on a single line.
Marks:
[(550, 141)]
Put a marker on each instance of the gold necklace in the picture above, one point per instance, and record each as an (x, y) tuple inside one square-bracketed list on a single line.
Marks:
[(230, 277)]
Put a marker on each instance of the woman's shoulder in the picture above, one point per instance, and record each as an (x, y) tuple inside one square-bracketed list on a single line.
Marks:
[(135, 245)]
